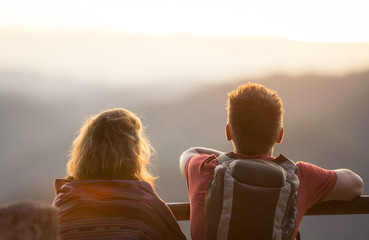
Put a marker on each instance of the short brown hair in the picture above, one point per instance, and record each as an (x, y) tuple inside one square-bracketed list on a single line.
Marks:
[(255, 116), (111, 145)]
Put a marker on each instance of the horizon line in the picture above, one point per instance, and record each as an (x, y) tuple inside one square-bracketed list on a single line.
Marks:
[(22, 29)]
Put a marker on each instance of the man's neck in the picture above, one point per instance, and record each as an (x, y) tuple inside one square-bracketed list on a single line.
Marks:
[(254, 156), (268, 154)]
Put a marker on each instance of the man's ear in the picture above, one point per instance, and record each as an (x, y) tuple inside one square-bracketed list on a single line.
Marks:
[(280, 137), (228, 133)]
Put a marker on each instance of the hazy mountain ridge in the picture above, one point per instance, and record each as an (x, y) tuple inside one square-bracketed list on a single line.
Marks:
[(325, 120), (111, 56)]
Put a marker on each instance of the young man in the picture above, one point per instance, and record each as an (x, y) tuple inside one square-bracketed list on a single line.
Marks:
[(255, 125)]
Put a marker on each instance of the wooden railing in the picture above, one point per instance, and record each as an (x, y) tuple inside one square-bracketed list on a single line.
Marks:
[(360, 205)]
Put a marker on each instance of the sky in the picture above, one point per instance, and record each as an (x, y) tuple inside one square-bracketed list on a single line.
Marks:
[(312, 20), (140, 41)]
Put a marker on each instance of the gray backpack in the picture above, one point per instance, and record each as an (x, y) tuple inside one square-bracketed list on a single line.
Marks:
[(252, 199)]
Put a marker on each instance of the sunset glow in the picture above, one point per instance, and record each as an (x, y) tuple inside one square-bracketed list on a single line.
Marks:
[(313, 20), (143, 41)]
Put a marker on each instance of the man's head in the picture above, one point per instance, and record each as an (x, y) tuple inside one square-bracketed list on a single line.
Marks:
[(255, 116)]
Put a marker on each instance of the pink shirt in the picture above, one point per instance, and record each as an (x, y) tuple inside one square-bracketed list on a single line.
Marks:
[(315, 184)]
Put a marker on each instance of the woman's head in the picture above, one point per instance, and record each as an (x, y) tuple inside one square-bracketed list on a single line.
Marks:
[(111, 145)]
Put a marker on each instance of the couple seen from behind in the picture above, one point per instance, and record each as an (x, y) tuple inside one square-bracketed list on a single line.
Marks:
[(109, 192)]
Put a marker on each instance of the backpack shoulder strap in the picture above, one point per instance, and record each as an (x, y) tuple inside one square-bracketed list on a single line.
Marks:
[(290, 167), (226, 158), (286, 163)]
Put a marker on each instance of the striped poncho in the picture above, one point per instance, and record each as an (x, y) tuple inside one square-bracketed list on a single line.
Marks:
[(112, 209)]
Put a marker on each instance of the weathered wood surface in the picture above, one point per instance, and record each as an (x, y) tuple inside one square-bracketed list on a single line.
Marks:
[(181, 210)]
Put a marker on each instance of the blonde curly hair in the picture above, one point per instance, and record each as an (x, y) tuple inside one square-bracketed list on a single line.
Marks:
[(111, 145)]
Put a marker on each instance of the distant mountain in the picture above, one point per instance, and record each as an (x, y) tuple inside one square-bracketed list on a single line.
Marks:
[(325, 122), (138, 59)]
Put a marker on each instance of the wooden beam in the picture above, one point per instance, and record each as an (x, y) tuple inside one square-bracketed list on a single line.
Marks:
[(181, 210), (360, 205)]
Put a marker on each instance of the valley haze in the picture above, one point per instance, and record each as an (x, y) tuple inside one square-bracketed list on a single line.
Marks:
[(123, 59)]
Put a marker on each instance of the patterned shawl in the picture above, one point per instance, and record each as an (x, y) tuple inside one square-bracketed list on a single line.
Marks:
[(112, 209)]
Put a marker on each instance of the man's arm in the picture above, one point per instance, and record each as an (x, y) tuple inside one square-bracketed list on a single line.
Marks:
[(348, 186), (187, 155)]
